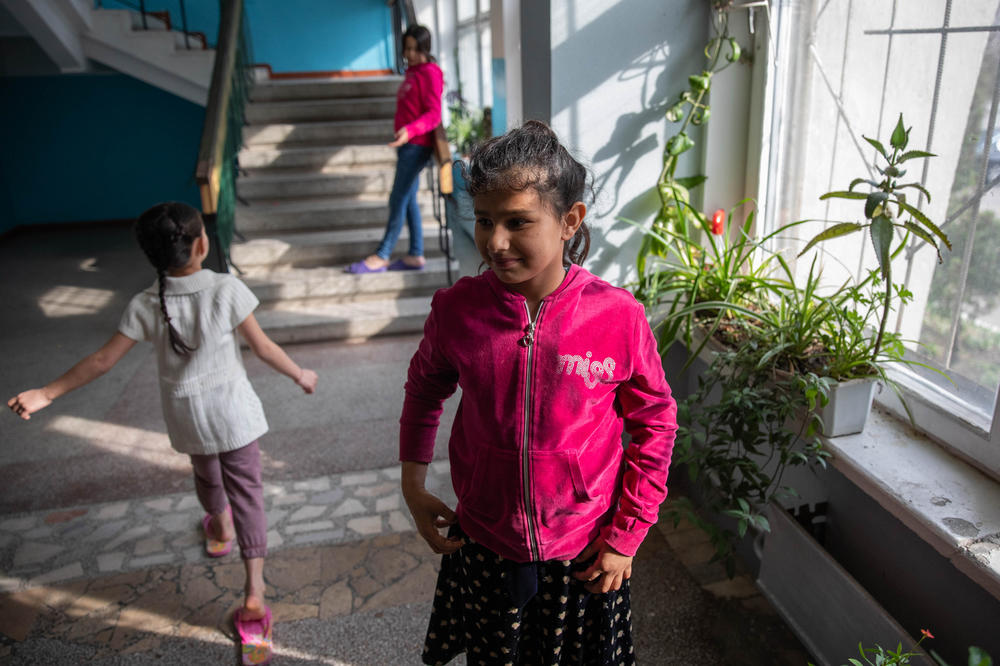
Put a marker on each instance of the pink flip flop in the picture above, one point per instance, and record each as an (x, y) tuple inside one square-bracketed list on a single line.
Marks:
[(215, 548), (255, 637)]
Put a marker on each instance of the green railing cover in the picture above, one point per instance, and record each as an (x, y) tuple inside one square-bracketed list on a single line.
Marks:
[(222, 137)]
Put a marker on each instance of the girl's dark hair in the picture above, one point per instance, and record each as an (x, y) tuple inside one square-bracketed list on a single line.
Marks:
[(166, 233), (422, 36), (531, 156)]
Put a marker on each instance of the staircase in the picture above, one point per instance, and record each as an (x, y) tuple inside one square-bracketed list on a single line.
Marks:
[(314, 190), (155, 55)]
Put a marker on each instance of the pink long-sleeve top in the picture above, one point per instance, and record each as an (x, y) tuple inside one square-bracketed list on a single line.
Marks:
[(536, 448), (418, 102)]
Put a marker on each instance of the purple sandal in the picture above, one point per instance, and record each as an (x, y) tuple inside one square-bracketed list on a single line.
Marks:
[(400, 265), (360, 268)]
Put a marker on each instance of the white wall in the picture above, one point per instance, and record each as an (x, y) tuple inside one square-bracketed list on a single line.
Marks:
[(616, 66)]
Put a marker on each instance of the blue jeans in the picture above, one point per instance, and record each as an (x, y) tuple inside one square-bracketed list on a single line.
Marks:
[(410, 161)]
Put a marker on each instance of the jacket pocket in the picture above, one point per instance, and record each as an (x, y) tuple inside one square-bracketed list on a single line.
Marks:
[(492, 491), (563, 496)]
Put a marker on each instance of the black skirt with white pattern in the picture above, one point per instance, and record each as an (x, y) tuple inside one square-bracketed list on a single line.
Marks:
[(503, 613)]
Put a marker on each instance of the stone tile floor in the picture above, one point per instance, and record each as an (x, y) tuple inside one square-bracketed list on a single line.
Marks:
[(53, 546), (127, 582)]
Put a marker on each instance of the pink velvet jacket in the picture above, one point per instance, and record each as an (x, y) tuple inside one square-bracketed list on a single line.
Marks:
[(536, 448), (418, 102)]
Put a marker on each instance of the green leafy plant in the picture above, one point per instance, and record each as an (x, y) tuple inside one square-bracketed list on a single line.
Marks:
[(739, 433), (977, 657), (880, 656), (784, 340), (467, 126), (690, 109), (693, 281), (885, 205)]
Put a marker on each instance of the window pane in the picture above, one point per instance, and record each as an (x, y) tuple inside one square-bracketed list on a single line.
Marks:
[(485, 38), (868, 63), (468, 63), (466, 9), (961, 327)]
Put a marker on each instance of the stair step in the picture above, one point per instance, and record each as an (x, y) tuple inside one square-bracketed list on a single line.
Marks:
[(358, 108), (339, 132), (381, 86), (325, 213), (332, 285), (151, 56), (320, 248), (297, 322), (328, 182), (315, 156)]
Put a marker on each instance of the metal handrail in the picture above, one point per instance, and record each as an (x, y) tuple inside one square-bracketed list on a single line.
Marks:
[(222, 135), (437, 208), (144, 13), (402, 14)]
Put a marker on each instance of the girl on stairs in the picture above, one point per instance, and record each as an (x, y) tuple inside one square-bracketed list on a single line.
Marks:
[(418, 112), (554, 364), (191, 315)]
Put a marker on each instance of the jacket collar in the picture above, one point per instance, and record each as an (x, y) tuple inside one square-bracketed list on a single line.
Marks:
[(189, 284), (575, 278)]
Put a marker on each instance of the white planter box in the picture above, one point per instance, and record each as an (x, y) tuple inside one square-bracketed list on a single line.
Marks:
[(822, 603), (847, 411)]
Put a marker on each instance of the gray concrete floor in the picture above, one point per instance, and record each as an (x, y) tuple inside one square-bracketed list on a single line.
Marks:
[(64, 290)]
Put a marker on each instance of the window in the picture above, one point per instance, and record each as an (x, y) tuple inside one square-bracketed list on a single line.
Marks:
[(844, 70), (463, 46), (473, 37)]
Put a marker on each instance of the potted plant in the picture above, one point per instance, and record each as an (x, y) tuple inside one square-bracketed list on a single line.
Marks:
[(467, 126), (885, 207)]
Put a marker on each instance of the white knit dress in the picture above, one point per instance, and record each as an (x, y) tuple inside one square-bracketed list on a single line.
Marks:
[(208, 403)]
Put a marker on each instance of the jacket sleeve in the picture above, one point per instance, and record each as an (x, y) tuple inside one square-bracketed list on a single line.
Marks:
[(650, 415), (430, 89), (430, 380)]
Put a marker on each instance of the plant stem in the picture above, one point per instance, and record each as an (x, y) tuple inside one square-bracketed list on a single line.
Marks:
[(885, 312), (669, 164)]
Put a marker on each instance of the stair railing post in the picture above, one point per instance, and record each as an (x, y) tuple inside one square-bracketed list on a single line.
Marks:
[(184, 25), (444, 239), (397, 35), (142, 10)]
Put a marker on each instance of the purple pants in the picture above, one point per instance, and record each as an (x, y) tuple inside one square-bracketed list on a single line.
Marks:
[(233, 478)]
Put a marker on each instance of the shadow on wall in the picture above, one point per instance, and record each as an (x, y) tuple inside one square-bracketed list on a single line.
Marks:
[(641, 51)]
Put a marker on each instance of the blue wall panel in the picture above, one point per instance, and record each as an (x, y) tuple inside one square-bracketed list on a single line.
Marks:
[(318, 35), (93, 147)]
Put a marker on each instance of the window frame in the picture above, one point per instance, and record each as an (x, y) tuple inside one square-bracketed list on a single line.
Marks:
[(779, 39)]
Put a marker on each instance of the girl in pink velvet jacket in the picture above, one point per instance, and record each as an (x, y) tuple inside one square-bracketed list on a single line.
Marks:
[(418, 113), (554, 365)]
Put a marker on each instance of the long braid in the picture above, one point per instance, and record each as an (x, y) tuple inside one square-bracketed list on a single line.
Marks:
[(165, 233), (176, 341)]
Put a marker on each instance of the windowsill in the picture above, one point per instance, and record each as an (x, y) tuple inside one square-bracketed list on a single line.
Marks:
[(948, 503)]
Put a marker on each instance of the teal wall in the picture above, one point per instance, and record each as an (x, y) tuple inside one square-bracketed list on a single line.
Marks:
[(300, 35), (92, 147), (319, 35)]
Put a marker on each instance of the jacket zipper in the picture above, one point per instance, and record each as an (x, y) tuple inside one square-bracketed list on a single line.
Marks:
[(529, 507)]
